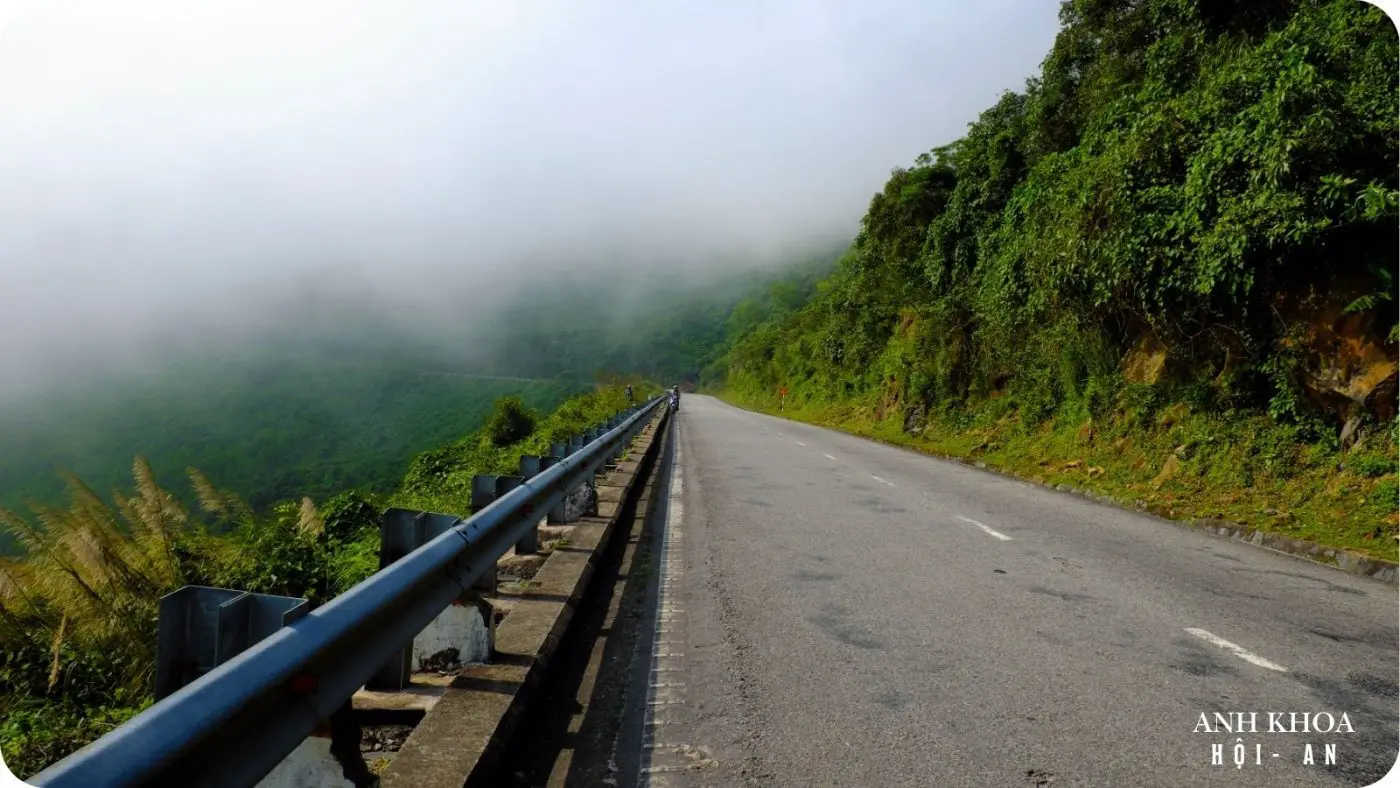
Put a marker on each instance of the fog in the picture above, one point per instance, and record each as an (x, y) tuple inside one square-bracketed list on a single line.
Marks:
[(179, 173)]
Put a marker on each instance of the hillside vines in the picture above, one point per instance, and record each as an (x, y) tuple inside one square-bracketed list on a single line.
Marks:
[(1184, 225)]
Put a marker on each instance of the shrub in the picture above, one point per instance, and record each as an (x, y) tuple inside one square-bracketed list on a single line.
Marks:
[(510, 422), (1371, 465)]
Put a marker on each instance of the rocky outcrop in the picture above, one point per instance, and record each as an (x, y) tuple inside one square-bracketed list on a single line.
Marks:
[(914, 419), (1146, 362), (1348, 369)]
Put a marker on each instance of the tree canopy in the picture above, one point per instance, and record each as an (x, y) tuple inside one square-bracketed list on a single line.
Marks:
[(1202, 181)]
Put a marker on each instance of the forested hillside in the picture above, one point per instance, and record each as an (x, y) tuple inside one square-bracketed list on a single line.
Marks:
[(1165, 266), (662, 328), (267, 426)]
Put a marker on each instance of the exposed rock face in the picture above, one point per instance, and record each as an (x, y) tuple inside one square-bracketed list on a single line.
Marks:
[(582, 502), (1146, 362), (1169, 470), (914, 419), (1348, 368)]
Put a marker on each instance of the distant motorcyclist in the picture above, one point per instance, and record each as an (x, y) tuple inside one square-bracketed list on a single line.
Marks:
[(674, 397)]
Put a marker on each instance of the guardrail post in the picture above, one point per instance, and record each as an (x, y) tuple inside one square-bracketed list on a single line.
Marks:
[(558, 451), (200, 628), (589, 435), (555, 515), (617, 453), (483, 495), (530, 542), (530, 467), (401, 532)]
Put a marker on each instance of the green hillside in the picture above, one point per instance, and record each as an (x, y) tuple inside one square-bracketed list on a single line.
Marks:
[(268, 429), (1165, 268)]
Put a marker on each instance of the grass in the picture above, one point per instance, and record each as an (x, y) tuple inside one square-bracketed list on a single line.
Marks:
[(1179, 465)]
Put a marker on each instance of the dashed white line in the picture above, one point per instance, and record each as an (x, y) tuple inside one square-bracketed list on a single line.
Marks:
[(799, 443), (882, 481), (829, 457), (998, 534), (1239, 651)]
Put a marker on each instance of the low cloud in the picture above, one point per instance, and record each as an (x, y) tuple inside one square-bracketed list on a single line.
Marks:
[(178, 172)]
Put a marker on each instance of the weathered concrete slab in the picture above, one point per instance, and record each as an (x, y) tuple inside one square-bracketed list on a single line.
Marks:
[(459, 635), (422, 694), (464, 732), (310, 765)]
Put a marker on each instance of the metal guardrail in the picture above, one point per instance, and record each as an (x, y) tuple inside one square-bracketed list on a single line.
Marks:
[(235, 724)]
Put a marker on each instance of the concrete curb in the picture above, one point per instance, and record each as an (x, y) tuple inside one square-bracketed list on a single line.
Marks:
[(1352, 563), (462, 737)]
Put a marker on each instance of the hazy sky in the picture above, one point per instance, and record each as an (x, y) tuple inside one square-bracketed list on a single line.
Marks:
[(172, 167)]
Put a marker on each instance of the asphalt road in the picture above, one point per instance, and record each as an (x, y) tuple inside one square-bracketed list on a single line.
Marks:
[(832, 611)]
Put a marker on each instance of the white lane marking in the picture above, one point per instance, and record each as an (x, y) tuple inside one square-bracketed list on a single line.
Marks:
[(1239, 651), (882, 481), (829, 457), (800, 443), (998, 534)]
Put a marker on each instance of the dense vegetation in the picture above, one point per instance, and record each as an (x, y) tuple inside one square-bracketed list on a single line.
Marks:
[(1167, 261), (78, 610)]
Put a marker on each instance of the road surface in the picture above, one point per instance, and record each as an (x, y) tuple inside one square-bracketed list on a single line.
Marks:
[(831, 611)]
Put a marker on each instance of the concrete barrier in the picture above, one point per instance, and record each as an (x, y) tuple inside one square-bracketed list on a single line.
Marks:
[(463, 734)]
